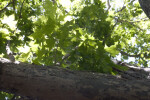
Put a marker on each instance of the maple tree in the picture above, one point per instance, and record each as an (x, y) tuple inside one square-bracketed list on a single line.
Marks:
[(85, 37)]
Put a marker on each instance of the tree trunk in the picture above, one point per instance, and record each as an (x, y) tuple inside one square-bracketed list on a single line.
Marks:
[(54, 83), (145, 5)]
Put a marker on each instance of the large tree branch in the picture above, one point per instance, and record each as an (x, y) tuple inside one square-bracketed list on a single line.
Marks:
[(54, 83)]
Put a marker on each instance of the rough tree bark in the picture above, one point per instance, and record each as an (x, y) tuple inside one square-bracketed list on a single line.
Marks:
[(145, 5), (54, 83)]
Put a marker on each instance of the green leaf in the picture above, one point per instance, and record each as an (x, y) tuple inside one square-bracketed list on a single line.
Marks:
[(112, 50)]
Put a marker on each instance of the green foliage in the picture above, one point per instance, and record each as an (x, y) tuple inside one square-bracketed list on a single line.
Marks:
[(40, 33), (93, 18), (89, 36), (5, 96)]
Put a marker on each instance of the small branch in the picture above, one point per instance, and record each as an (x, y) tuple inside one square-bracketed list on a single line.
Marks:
[(125, 6), (5, 7), (138, 21), (53, 1), (138, 55), (14, 4), (121, 9), (108, 4), (65, 57), (21, 9), (118, 17), (132, 23), (124, 53), (115, 23)]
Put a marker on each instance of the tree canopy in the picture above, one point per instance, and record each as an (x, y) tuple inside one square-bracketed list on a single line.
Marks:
[(83, 35)]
